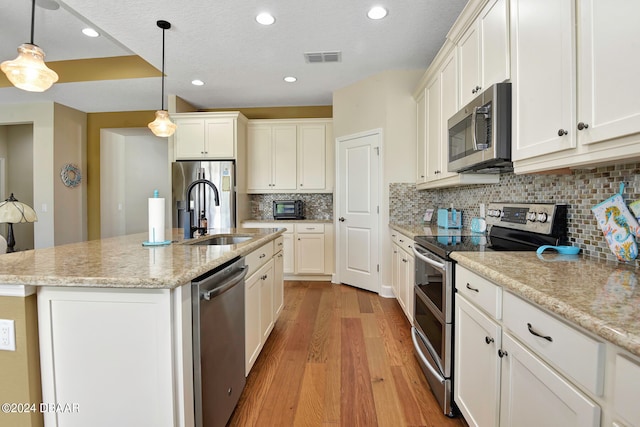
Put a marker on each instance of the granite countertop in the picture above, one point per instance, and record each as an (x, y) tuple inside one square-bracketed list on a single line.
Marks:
[(603, 297), (122, 262), (412, 231)]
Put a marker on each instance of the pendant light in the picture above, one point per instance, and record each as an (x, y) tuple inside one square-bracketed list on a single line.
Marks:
[(28, 71), (162, 125)]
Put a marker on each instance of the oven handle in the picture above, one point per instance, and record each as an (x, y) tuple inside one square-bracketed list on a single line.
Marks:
[(436, 374), (436, 264)]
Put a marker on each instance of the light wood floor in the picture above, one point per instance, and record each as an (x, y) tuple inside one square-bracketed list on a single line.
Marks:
[(338, 356)]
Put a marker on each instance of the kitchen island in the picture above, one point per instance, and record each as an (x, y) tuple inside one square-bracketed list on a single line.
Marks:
[(114, 325)]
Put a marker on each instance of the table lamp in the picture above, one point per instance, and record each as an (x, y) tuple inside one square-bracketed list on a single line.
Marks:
[(13, 212)]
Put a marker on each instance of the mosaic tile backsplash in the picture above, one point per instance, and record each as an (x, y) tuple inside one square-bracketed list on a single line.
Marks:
[(581, 190), (316, 206)]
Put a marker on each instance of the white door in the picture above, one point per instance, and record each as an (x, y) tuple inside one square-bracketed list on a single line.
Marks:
[(357, 210)]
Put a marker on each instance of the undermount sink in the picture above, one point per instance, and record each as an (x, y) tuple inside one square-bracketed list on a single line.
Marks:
[(222, 240)]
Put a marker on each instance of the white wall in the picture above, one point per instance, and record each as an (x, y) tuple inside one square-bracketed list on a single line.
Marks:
[(383, 101), (133, 163), (19, 165)]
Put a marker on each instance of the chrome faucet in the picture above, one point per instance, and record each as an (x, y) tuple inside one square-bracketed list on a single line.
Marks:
[(189, 229)]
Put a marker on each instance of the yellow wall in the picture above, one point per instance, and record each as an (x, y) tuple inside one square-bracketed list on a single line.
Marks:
[(140, 119), (20, 369)]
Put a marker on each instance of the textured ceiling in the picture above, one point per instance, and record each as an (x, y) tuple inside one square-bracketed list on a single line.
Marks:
[(242, 62)]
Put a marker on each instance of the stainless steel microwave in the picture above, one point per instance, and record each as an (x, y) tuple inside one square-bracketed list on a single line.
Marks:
[(480, 133)]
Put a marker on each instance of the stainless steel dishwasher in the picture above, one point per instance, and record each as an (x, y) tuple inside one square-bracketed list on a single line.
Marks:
[(218, 342)]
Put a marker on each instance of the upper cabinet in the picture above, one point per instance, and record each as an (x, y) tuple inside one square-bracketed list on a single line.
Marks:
[(574, 97), (483, 51), (290, 156), (207, 135)]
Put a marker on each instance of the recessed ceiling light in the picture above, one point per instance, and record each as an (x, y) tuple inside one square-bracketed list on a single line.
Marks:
[(265, 18), (48, 4), (377, 12), (290, 79), (90, 32), (197, 82)]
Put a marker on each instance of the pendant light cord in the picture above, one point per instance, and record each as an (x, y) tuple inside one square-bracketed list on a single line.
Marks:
[(33, 18), (162, 100)]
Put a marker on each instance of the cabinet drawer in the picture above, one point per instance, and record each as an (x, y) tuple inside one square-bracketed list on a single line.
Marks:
[(569, 350), (625, 391), (309, 228), (278, 244), (480, 291), (259, 257), (403, 241)]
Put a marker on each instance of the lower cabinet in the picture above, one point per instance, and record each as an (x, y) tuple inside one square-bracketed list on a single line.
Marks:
[(307, 248), (499, 381), (264, 298), (402, 272)]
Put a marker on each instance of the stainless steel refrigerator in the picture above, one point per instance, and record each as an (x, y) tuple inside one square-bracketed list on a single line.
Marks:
[(188, 176)]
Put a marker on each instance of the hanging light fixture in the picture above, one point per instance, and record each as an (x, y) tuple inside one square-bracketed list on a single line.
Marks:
[(162, 125), (28, 71)]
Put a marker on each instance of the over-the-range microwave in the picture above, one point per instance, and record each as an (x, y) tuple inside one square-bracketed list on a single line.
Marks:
[(480, 133)]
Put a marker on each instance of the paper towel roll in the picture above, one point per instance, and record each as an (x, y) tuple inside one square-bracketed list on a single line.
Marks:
[(156, 220)]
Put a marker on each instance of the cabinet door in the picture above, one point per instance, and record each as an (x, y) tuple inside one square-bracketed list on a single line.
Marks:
[(449, 106), (403, 277), (311, 157), (410, 265), (284, 157), (252, 320), (543, 77), (259, 158), (469, 54), (395, 267), (278, 285), (189, 139), (220, 138), (534, 395), (434, 141), (310, 254), (289, 254), (421, 131), (608, 69), (493, 25), (266, 301), (477, 365)]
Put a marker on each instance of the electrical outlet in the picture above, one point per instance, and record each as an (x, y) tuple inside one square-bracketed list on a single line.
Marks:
[(7, 335)]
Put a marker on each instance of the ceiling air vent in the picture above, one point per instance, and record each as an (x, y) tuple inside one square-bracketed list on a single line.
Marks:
[(316, 57)]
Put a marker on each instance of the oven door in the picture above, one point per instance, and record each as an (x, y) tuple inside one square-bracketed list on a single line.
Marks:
[(433, 277)]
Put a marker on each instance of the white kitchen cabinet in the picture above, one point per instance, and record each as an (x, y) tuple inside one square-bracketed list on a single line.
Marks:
[(625, 393), (287, 156), (569, 76), (435, 143), (206, 135), (252, 335), (499, 381), (308, 248), (403, 275), (477, 366), (266, 300), (278, 280), (484, 51), (312, 162), (421, 134), (533, 395), (271, 158)]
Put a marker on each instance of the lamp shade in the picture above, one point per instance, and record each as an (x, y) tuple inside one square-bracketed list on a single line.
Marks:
[(14, 212), (162, 125), (28, 71)]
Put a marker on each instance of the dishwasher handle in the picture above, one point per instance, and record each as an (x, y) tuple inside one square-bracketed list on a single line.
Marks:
[(225, 286)]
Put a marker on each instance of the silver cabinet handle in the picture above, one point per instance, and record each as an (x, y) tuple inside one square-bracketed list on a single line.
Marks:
[(537, 334)]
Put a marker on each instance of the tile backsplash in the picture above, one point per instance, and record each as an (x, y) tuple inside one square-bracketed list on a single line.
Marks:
[(316, 206), (580, 189)]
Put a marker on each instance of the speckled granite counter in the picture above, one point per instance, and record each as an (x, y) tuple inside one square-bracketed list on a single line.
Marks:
[(122, 262), (602, 297), (319, 221)]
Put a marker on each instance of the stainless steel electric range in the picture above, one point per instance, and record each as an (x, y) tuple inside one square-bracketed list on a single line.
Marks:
[(512, 227)]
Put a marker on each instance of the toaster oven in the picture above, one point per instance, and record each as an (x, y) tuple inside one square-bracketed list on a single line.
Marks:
[(288, 209)]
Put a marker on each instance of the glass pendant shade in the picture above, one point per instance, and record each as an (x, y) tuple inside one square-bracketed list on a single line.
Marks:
[(28, 71), (162, 125)]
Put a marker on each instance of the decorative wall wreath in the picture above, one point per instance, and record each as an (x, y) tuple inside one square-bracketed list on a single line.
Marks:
[(70, 175)]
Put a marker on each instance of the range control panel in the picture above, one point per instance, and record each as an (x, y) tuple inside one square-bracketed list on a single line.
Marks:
[(543, 218)]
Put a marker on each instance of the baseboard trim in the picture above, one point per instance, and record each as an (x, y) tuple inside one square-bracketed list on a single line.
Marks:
[(386, 292), (309, 278)]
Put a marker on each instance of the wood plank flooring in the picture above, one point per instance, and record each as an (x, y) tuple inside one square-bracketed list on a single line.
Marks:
[(338, 356)]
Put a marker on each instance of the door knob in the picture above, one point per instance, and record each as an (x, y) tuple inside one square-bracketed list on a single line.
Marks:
[(341, 219)]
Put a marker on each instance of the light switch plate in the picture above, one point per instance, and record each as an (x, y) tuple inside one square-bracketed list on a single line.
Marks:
[(7, 335)]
